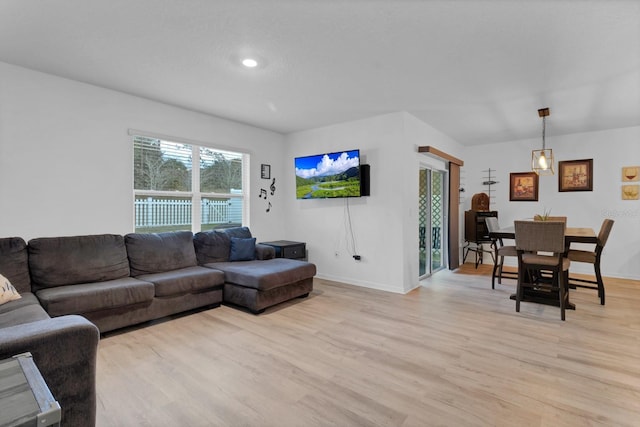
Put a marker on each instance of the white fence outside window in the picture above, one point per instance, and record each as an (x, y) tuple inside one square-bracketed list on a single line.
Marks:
[(162, 212)]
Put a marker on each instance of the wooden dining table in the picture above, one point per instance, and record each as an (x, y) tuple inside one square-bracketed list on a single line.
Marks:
[(571, 235)]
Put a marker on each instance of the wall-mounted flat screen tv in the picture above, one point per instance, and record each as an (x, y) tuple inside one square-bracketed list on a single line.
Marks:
[(328, 175)]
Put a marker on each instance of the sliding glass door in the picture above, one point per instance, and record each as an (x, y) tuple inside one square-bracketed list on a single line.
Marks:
[(431, 220)]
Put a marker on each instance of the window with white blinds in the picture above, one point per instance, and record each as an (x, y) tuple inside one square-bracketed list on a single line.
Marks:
[(170, 194)]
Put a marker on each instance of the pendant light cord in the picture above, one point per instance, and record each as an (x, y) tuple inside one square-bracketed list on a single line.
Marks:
[(544, 121)]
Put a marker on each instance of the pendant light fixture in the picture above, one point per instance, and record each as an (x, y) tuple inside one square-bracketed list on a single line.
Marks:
[(542, 160)]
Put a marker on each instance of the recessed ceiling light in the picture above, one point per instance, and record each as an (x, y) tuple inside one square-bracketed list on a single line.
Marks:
[(249, 62)]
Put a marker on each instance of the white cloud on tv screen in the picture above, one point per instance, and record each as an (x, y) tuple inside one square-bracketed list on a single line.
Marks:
[(328, 166)]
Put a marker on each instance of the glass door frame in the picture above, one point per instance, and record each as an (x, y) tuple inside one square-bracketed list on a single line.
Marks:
[(426, 238)]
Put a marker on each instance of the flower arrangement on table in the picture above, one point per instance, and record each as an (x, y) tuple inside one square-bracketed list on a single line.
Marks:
[(544, 217)]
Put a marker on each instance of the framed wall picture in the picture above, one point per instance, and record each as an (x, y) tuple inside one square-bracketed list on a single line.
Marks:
[(631, 192), (265, 171), (523, 187), (575, 175), (630, 173)]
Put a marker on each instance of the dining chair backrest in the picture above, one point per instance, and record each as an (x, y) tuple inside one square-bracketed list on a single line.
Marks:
[(545, 236), (605, 230), (492, 224)]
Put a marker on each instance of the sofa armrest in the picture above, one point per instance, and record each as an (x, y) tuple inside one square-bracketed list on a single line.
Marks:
[(64, 349), (264, 252)]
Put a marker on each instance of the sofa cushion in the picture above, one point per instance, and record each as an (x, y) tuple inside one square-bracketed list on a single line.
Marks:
[(25, 314), (263, 275), (7, 291), (239, 232), (160, 252), (211, 246), (27, 298), (215, 245), (59, 261), (242, 249), (265, 251), (88, 297), (14, 262), (184, 281)]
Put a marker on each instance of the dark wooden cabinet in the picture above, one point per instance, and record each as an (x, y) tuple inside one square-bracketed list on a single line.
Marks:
[(476, 234), (475, 227), (289, 249)]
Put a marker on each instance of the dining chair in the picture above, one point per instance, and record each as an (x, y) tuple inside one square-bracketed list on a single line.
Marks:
[(541, 248), (500, 251), (592, 257)]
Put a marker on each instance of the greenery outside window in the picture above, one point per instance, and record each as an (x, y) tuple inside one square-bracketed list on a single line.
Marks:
[(170, 194)]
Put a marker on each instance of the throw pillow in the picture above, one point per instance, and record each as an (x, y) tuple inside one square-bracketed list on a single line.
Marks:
[(7, 291), (242, 249)]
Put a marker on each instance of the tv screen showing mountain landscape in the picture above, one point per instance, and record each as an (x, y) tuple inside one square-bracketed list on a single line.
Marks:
[(328, 175)]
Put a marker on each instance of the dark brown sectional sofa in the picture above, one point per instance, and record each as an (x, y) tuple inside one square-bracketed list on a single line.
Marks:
[(253, 283), (64, 348), (116, 281), (73, 288)]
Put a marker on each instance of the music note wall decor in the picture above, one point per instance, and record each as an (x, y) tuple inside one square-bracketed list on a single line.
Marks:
[(265, 173)]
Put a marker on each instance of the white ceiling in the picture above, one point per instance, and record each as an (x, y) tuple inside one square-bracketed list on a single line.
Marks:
[(477, 70)]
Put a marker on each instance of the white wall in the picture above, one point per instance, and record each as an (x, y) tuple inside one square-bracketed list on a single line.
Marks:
[(65, 169), (66, 157), (418, 133), (610, 151), (385, 223)]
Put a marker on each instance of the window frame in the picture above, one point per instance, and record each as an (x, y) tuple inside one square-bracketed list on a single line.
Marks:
[(195, 195)]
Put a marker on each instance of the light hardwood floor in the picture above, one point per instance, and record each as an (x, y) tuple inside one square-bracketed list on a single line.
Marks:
[(452, 353)]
